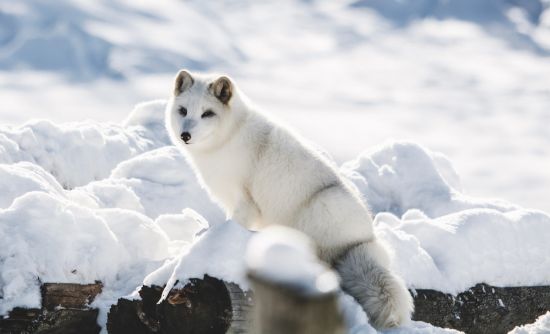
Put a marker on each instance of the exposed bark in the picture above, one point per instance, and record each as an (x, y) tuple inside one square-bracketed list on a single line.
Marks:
[(483, 309), (203, 306), (64, 311), (68, 295), (19, 320)]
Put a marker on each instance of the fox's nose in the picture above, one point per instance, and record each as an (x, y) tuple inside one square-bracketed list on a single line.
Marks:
[(185, 136)]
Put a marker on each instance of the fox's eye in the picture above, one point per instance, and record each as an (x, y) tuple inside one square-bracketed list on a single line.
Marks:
[(207, 114), (182, 111)]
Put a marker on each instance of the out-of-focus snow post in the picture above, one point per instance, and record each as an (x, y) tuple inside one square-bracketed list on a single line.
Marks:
[(295, 293)]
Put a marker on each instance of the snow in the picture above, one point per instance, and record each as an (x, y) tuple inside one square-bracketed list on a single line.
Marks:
[(441, 238), (223, 246), (459, 250), (36, 248), (85, 201), (89, 192), (182, 226), (65, 212), (540, 326), (74, 153), (401, 175)]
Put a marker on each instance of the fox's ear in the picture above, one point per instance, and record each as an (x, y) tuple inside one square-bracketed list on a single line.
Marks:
[(184, 81), (222, 89)]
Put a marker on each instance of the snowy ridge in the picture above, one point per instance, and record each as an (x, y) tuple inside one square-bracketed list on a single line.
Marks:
[(76, 194)]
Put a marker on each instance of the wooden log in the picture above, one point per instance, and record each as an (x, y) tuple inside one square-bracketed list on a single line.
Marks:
[(19, 321), (67, 321), (206, 305), (477, 310), (483, 309), (68, 295), (65, 310)]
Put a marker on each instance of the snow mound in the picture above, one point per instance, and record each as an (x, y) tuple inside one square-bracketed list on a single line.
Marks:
[(77, 153), (23, 177), (46, 238), (164, 182), (75, 194), (441, 238), (456, 251), (400, 176)]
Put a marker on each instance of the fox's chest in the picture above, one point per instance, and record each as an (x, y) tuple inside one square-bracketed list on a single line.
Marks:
[(225, 174)]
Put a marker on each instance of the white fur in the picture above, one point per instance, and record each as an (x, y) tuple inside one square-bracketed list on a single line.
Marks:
[(262, 174)]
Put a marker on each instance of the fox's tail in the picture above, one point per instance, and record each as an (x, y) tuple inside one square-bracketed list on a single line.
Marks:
[(366, 276)]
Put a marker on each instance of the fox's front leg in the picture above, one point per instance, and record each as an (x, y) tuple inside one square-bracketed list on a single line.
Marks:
[(247, 213)]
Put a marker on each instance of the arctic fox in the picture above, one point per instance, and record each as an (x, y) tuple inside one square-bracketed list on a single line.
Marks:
[(263, 174)]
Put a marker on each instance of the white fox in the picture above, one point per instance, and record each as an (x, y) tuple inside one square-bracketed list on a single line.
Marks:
[(263, 174)]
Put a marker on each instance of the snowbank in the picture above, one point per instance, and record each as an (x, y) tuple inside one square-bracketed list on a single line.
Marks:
[(46, 238), (96, 201), (77, 153), (441, 238), (457, 251), (400, 176), (87, 201)]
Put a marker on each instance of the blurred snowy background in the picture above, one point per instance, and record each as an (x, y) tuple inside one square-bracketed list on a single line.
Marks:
[(468, 78)]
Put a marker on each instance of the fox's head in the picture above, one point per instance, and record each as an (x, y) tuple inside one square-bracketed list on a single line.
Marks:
[(199, 114)]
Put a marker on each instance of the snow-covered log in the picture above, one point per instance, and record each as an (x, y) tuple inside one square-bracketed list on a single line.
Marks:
[(210, 305), (481, 309)]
